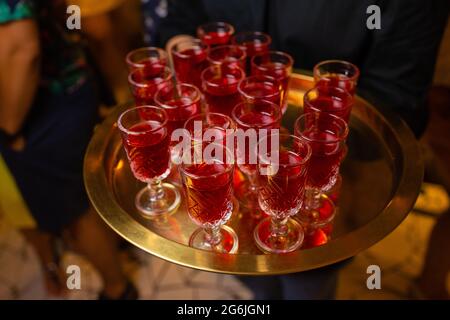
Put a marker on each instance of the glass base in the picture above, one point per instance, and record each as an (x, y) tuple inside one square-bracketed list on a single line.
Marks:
[(167, 205), (228, 244), (314, 218), (271, 244)]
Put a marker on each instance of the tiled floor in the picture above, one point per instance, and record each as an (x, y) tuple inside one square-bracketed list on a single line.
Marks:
[(399, 256)]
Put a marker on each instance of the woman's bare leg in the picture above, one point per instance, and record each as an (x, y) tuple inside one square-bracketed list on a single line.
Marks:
[(91, 237)]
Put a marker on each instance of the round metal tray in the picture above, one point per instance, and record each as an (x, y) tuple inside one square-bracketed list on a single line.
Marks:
[(382, 174)]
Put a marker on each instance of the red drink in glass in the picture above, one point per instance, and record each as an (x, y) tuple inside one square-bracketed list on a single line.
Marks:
[(283, 192), (253, 43), (148, 152), (208, 188), (189, 60), (220, 87), (281, 182), (227, 55), (144, 83), (255, 116), (144, 58), (146, 142), (326, 134), (337, 73), (325, 159), (215, 33), (258, 88), (209, 193), (275, 64), (216, 123), (328, 99), (180, 102), (251, 118)]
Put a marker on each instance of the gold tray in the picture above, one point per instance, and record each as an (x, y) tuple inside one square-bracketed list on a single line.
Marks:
[(382, 174)]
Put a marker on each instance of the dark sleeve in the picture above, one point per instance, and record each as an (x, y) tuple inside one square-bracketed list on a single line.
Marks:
[(183, 17), (399, 68)]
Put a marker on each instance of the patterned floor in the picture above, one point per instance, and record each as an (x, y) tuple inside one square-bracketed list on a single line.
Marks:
[(399, 256)]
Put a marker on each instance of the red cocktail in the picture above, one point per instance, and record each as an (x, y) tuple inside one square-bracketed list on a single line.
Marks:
[(144, 83), (220, 87), (328, 99), (337, 73), (147, 57), (281, 190), (254, 120), (147, 150), (253, 43), (210, 127), (146, 142), (278, 65), (180, 102), (209, 195), (227, 55), (215, 33), (258, 88), (189, 60), (326, 135)]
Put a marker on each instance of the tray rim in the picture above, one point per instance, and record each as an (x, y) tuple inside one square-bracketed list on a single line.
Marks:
[(348, 245)]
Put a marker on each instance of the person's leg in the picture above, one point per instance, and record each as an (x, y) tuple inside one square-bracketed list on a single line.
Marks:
[(106, 47), (91, 237), (42, 243), (432, 281)]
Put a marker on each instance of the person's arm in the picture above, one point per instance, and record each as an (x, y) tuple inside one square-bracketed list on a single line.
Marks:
[(106, 42), (399, 68), (19, 76), (103, 39)]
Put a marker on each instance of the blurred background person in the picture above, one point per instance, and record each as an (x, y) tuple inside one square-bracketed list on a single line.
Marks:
[(48, 108), (397, 66), (107, 44)]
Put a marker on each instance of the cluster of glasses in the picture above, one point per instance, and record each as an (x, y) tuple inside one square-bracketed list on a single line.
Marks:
[(227, 82)]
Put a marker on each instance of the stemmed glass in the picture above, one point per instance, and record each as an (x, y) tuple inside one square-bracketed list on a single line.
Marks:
[(146, 57), (282, 164), (326, 135), (227, 55), (328, 99), (337, 73), (210, 127), (215, 33), (146, 141), (180, 101), (254, 119), (189, 60), (207, 181), (220, 87), (261, 87), (278, 65), (253, 43), (144, 83)]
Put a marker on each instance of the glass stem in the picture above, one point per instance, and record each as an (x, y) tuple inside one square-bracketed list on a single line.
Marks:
[(278, 227), (156, 190), (213, 235), (312, 200)]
